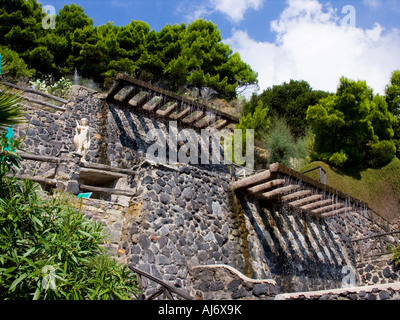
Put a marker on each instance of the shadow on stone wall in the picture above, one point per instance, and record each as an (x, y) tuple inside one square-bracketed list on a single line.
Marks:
[(299, 252)]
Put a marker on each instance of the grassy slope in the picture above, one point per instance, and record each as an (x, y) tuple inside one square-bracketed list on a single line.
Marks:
[(380, 188)]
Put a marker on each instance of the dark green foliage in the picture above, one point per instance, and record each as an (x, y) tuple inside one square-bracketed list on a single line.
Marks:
[(177, 57), (258, 120), (350, 125), (13, 66), (289, 101), (48, 250), (396, 137), (393, 101), (396, 255), (393, 94), (382, 153), (21, 27)]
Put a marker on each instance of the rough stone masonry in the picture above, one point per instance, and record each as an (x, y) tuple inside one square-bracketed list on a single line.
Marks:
[(183, 223)]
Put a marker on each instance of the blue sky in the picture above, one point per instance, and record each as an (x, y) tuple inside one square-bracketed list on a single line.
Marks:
[(282, 40)]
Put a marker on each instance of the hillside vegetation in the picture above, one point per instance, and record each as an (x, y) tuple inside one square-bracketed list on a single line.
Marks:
[(379, 187)]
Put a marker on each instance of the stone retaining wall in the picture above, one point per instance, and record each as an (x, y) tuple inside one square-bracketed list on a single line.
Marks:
[(184, 216), (377, 292), (378, 272), (186, 220), (220, 282), (300, 252)]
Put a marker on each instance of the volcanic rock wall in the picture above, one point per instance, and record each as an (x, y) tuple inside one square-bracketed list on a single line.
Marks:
[(174, 218)]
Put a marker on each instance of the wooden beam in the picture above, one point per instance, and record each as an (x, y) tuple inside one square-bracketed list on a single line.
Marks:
[(41, 180), (328, 208), (90, 172), (135, 102), (218, 124), (124, 97), (335, 212), (33, 157), (180, 114), (116, 87), (104, 167), (46, 104), (205, 122), (296, 195), (151, 104), (266, 186), (118, 192), (284, 170), (174, 96), (280, 191), (31, 90), (306, 200), (159, 292), (253, 180), (316, 204), (193, 117), (168, 111)]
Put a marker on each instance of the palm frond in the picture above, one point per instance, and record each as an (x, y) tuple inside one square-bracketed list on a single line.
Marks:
[(11, 112)]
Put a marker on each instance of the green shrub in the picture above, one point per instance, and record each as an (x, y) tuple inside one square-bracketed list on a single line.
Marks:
[(382, 153), (48, 249), (347, 123), (61, 88), (280, 143), (258, 120), (396, 255), (14, 68), (283, 146), (338, 159)]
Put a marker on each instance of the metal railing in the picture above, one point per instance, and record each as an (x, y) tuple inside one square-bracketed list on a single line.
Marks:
[(236, 171), (381, 246), (166, 289), (322, 173)]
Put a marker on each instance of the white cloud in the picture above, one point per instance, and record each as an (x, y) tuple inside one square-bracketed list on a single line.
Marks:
[(233, 9), (312, 45), (372, 3)]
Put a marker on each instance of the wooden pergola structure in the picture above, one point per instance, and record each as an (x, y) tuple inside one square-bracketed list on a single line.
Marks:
[(144, 97)]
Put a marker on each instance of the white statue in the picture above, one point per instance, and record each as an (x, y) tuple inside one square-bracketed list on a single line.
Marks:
[(82, 138)]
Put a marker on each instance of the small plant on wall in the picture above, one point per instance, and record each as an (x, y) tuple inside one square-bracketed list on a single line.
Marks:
[(61, 88), (396, 256)]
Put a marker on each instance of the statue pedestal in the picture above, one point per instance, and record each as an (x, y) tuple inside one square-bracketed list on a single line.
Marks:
[(68, 172)]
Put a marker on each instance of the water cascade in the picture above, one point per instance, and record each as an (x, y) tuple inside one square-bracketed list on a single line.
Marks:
[(76, 77)]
